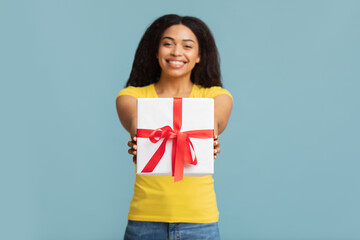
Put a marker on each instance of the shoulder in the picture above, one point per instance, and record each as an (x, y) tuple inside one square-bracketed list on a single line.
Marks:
[(136, 92), (211, 92)]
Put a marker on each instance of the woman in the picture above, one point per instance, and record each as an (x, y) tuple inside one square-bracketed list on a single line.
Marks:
[(176, 57)]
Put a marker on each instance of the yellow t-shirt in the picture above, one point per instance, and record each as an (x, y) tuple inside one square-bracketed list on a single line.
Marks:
[(158, 198)]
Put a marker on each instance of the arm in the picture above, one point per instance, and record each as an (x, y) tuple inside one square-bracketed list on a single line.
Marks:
[(126, 109), (223, 105)]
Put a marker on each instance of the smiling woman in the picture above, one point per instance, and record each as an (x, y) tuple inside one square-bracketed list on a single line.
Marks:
[(176, 57), (178, 52)]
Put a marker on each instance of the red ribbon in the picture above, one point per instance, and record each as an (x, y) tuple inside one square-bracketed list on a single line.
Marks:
[(181, 147)]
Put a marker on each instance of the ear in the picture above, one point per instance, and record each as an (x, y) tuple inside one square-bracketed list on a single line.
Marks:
[(197, 59)]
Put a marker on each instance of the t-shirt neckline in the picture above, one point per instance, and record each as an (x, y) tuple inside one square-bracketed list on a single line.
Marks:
[(155, 93)]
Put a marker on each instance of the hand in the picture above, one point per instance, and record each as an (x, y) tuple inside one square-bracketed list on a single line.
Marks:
[(133, 148), (216, 146)]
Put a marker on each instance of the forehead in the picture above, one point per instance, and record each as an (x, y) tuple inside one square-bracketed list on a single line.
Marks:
[(179, 32)]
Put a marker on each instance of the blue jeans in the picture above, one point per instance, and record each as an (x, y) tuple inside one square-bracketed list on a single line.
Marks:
[(137, 230)]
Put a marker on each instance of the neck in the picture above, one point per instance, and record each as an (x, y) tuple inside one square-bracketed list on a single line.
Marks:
[(174, 87)]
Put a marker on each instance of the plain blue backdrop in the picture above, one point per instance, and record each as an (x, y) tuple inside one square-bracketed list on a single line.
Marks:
[(289, 166)]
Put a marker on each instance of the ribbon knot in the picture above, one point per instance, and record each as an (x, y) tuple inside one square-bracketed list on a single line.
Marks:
[(164, 132), (182, 146)]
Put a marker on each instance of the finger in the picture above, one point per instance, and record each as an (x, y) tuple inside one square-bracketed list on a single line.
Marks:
[(217, 150), (132, 145), (216, 143), (134, 159), (214, 156), (133, 139), (216, 137), (132, 152)]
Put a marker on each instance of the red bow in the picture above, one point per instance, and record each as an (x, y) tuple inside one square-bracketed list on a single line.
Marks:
[(181, 147)]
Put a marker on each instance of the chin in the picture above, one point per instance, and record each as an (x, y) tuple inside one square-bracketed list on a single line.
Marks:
[(177, 75)]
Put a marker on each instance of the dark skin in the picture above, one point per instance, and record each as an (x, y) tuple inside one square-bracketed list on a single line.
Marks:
[(133, 147), (177, 55), (126, 106)]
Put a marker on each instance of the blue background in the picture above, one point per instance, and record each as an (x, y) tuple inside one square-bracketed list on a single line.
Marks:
[(289, 167)]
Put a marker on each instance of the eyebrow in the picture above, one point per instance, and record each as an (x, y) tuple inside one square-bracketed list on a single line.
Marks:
[(184, 40)]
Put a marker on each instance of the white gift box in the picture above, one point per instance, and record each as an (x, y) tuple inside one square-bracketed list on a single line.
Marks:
[(197, 114)]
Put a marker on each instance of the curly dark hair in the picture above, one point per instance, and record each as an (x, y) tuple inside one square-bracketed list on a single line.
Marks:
[(146, 68)]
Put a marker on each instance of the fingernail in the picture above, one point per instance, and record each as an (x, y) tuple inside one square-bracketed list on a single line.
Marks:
[(215, 151), (135, 147), (134, 152)]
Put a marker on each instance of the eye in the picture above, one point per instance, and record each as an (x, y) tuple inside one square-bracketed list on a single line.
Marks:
[(188, 46), (166, 44)]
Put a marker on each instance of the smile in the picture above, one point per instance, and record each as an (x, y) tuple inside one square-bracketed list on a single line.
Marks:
[(175, 64)]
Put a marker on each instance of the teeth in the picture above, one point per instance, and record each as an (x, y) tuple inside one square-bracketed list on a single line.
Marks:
[(176, 62)]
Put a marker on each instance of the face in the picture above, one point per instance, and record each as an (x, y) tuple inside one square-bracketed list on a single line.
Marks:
[(178, 51)]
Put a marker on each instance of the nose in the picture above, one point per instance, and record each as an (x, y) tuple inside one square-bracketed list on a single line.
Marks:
[(176, 50)]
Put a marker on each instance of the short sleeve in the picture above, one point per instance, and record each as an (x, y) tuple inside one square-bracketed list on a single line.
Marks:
[(129, 91), (216, 91)]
